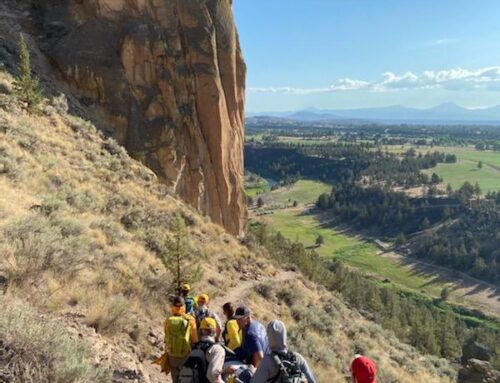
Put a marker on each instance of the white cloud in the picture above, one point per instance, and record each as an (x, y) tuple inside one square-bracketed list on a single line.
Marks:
[(454, 79)]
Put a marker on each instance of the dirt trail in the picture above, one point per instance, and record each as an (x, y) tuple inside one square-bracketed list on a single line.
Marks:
[(239, 293)]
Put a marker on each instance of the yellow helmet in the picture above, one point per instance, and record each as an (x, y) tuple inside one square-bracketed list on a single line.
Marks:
[(185, 287), (208, 324), (203, 297)]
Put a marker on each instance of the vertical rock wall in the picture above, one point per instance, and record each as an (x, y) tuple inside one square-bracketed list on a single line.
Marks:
[(169, 78)]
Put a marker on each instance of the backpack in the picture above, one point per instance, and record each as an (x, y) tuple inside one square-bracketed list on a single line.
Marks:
[(290, 371), (201, 314), (189, 302), (194, 369), (177, 340)]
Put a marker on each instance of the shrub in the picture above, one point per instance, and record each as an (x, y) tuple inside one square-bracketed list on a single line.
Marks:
[(108, 315), (35, 350)]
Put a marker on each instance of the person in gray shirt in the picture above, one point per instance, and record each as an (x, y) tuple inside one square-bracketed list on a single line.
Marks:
[(274, 365)]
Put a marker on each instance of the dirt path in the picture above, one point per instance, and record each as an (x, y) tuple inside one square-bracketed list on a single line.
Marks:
[(240, 292)]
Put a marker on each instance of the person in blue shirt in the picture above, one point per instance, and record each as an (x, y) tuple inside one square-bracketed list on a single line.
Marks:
[(255, 344)]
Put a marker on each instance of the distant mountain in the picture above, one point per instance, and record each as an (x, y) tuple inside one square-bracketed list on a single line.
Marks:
[(445, 113)]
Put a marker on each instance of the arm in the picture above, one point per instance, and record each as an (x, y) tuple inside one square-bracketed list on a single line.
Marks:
[(257, 358), (262, 373), (304, 367), (215, 359)]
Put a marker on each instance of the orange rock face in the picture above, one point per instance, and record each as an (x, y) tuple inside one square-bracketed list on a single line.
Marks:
[(168, 77)]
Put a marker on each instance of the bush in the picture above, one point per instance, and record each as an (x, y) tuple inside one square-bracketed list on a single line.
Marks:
[(37, 243), (108, 315), (35, 350)]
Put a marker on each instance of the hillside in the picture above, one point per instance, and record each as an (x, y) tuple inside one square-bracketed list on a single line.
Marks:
[(83, 230)]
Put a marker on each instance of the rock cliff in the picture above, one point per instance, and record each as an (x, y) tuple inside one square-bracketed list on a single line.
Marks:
[(168, 77)]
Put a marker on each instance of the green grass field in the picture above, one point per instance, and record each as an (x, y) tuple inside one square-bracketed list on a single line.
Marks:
[(303, 191), (465, 169), (304, 228), (296, 224)]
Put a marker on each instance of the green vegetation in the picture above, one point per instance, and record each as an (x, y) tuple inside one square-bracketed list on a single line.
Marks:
[(33, 349), (303, 191), (301, 226), (26, 85)]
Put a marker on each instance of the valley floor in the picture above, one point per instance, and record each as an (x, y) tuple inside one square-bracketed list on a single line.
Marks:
[(389, 266)]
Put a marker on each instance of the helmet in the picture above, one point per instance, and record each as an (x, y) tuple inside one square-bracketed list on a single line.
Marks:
[(208, 324), (185, 287)]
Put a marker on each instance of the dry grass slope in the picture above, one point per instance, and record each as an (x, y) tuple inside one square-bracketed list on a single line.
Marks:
[(83, 229)]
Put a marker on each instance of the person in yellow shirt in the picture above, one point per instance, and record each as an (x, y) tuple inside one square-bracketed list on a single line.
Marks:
[(232, 334), (180, 336)]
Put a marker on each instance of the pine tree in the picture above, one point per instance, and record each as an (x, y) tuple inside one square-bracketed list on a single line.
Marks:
[(26, 85), (177, 260)]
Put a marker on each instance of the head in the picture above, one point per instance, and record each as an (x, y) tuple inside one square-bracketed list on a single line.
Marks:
[(243, 316), (208, 326), (178, 306), (202, 300), (228, 310), (185, 289), (363, 370), (276, 333)]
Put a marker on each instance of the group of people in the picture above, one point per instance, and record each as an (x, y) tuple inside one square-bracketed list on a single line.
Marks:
[(198, 348)]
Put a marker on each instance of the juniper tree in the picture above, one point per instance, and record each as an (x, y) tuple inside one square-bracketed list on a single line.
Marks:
[(177, 259), (26, 85)]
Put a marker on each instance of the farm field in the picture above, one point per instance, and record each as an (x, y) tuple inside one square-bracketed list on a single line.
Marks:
[(465, 169)]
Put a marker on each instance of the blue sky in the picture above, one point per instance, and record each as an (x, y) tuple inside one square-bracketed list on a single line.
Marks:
[(365, 53)]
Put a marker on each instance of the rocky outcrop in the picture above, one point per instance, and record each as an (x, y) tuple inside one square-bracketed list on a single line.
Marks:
[(168, 77)]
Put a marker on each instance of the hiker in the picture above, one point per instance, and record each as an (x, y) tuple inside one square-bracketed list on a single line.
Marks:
[(363, 370), (254, 345), (203, 312), (281, 365), (205, 364), (190, 302), (232, 334), (180, 335)]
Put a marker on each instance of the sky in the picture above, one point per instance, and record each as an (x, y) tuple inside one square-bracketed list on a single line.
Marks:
[(341, 54)]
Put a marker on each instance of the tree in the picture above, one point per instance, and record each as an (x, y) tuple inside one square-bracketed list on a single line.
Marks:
[(26, 85), (400, 240), (320, 240), (435, 179), (477, 189), (445, 293), (322, 202), (425, 223), (249, 201), (260, 202), (449, 189), (177, 260), (295, 204), (480, 165)]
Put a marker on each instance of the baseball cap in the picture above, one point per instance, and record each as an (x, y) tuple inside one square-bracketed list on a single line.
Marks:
[(364, 370), (241, 312)]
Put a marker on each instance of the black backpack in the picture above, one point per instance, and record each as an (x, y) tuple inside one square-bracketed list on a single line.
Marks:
[(194, 369), (290, 371)]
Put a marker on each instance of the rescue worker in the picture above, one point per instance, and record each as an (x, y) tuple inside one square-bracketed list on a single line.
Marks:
[(180, 335), (203, 312), (232, 334), (189, 300), (215, 353)]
